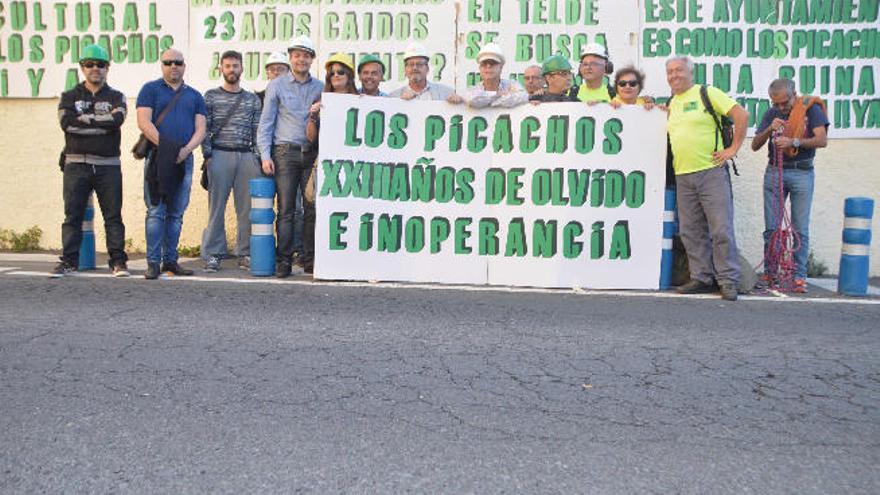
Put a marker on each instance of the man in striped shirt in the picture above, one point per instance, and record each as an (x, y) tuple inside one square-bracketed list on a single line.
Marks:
[(231, 161)]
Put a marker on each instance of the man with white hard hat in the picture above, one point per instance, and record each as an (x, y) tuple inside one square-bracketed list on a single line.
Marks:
[(415, 67), (595, 65), (493, 91), (276, 65), (285, 151)]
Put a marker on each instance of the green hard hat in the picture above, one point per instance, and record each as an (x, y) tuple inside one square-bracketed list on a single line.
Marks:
[(555, 63), (94, 52), (369, 59)]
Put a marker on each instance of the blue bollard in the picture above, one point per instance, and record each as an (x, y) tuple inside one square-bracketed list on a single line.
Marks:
[(855, 253), (670, 228), (87, 245), (262, 223)]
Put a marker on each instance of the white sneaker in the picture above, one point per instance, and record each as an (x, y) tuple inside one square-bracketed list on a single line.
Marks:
[(120, 270), (213, 264)]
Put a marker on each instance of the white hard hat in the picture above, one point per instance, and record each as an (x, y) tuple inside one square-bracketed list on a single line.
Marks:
[(594, 49), (491, 51), (276, 58), (415, 50), (303, 43)]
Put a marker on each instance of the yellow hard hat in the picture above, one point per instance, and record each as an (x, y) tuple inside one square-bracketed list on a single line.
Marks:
[(340, 58)]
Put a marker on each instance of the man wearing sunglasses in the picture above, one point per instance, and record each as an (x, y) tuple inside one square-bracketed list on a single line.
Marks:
[(557, 74), (91, 114), (169, 165)]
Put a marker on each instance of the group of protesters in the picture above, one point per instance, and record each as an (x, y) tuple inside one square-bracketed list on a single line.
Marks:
[(275, 132)]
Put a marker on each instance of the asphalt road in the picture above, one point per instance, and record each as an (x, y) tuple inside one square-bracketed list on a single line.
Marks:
[(129, 386)]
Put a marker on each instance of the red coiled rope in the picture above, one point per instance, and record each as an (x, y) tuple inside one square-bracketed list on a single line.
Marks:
[(784, 242)]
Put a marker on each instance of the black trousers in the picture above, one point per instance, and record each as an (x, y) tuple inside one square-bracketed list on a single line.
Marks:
[(292, 171), (80, 180)]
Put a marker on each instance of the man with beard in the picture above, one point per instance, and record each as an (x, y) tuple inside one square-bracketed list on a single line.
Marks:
[(169, 165), (231, 160), (91, 114), (286, 153)]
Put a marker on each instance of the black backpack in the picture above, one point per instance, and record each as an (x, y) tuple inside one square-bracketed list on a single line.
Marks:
[(723, 128)]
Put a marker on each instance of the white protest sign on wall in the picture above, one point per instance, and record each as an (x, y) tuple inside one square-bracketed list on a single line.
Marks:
[(554, 195), (40, 43)]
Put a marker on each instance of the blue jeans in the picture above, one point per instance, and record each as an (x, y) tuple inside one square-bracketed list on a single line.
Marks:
[(165, 220), (797, 186)]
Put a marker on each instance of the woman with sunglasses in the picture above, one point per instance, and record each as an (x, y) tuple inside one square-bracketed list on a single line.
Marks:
[(339, 78), (629, 82)]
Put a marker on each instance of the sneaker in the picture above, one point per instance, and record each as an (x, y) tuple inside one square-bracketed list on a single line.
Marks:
[(298, 267), (152, 272), (62, 269), (729, 292), (244, 262), (120, 270), (172, 268), (213, 264), (799, 286), (282, 269), (696, 287)]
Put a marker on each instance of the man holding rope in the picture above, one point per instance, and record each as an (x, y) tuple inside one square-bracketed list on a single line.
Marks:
[(798, 125)]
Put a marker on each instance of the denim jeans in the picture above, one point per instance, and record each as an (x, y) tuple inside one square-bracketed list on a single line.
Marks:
[(797, 186), (80, 180), (292, 170), (165, 220)]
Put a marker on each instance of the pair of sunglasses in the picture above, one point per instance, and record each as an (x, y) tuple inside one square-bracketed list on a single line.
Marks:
[(337, 72), (94, 63), (168, 63), (624, 84)]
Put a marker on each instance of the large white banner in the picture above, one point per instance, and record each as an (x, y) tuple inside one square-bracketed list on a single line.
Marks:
[(553, 195)]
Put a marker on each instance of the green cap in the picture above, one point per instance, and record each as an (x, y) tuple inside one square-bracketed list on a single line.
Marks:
[(369, 59), (94, 52), (555, 63)]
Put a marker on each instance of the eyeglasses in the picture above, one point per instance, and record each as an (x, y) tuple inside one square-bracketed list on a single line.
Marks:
[(278, 68), (168, 63), (415, 65), (94, 63), (624, 84), (337, 72), (563, 73), (593, 64)]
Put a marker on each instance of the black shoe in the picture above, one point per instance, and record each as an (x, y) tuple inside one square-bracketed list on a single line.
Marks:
[(282, 269), (63, 269), (172, 268), (696, 287), (729, 292), (152, 272)]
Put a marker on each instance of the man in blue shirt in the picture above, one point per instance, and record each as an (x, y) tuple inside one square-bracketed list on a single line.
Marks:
[(798, 149), (287, 154), (169, 164)]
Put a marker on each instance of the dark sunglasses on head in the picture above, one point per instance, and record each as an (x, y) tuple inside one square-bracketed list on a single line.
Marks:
[(167, 63), (337, 72), (94, 63), (624, 84)]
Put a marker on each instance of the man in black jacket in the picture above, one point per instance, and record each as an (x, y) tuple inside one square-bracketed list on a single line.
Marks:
[(91, 114)]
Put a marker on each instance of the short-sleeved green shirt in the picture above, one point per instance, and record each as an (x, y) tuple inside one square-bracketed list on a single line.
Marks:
[(692, 130)]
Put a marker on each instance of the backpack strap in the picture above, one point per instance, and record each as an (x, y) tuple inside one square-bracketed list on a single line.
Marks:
[(707, 106)]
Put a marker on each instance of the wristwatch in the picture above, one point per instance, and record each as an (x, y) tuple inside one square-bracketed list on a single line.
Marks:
[(796, 143)]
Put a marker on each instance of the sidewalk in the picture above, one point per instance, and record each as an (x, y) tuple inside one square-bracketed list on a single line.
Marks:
[(41, 263)]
